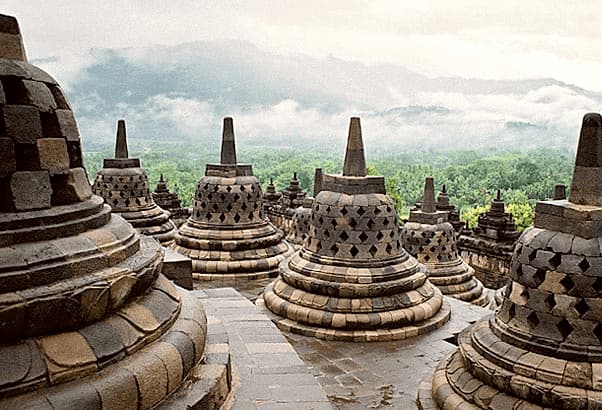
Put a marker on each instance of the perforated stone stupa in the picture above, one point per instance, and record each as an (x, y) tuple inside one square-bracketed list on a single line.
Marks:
[(301, 221), (428, 236), (489, 249), (170, 202), (543, 347), (227, 236), (352, 280), (124, 186), (87, 321)]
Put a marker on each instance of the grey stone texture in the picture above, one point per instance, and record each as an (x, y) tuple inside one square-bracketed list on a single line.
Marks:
[(433, 241), (352, 280), (124, 186), (87, 320), (543, 346), (227, 234), (280, 207), (170, 202)]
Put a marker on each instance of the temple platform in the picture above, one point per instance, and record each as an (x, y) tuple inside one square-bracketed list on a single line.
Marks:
[(273, 369)]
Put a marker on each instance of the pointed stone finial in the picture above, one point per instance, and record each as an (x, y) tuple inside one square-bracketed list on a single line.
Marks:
[(294, 175), (271, 181), (11, 42), (444, 189), (586, 188), (228, 153), (559, 192), (498, 196), (428, 200), (161, 178), (317, 181), (121, 144), (355, 161)]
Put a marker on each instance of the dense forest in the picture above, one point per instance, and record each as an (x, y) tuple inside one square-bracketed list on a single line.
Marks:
[(471, 177)]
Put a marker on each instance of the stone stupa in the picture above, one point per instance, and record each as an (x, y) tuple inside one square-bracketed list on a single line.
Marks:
[(170, 201), (227, 236), (352, 280), (543, 347), (489, 249), (453, 216), (301, 221), (87, 320), (428, 236), (124, 186)]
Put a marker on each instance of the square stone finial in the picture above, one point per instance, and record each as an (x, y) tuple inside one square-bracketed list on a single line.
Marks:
[(586, 187), (428, 200), (11, 42), (228, 152), (121, 143), (355, 161), (317, 181), (559, 192)]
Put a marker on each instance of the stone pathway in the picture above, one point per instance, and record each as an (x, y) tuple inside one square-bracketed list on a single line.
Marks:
[(352, 375), (272, 374)]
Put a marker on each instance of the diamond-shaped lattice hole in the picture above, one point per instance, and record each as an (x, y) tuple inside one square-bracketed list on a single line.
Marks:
[(377, 211), (333, 222), (564, 327), (389, 248), (582, 307), (236, 197), (344, 211), (386, 221), (361, 211), (354, 251), (539, 276), (373, 250), (584, 265), (598, 331), (327, 234), (568, 283), (433, 249), (363, 236), (229, 188), (242, 188), (334, 249), (208, 215), (370, 223), (427, 258), (352, 223), (236, 218), (550, 302), (343, 236), (533, 320), (379, 235), (222, 197), (321, 221), (555, 260), (222, 217)]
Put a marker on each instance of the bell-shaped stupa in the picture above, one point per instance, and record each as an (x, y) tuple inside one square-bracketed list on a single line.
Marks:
[(428, 236), (301, 221), (170, 201), (124, 186), (543, 347), (227, 236), (352, 280), (87, 320)]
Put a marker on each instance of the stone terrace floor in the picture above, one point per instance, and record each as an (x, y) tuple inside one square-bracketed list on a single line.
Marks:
[(353, 375)]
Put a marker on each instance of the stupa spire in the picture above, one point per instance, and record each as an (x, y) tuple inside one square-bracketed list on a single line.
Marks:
[(586, 188), (559, 192), (228, 152), (498, 196), (121, 143), (355, 161), (11, 46), (428, 199)]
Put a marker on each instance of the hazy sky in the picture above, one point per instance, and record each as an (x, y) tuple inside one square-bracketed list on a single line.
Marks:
[(482, 39)]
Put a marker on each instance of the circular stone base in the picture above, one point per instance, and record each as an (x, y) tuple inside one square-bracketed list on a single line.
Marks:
[(373, 335), (234, 277)]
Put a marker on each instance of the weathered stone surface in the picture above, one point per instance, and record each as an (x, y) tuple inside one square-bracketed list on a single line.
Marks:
[(30, 190), (8, 165), (11, 47), (53, 155), (22, 123)]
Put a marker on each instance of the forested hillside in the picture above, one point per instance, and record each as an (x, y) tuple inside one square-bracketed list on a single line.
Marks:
[(472, 177)]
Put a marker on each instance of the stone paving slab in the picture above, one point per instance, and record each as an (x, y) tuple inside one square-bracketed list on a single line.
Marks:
[(267, 373)]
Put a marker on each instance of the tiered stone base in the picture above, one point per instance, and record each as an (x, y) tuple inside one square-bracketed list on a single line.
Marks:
[(242, 253), (154, 222), (389, 301), (132, 359), (488, 373), (490, 260), (456, 279)]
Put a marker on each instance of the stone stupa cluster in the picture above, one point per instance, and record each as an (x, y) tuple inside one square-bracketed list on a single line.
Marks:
[(352, 280), (89, 318)]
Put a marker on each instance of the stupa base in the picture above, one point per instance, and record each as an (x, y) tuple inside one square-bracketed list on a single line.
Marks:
[(371, 335)]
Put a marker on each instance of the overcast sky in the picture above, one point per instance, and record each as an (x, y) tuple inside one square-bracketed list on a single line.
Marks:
[(476, 39)]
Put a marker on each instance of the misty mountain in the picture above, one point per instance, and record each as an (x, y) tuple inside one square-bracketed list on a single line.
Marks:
[(180, 93)]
